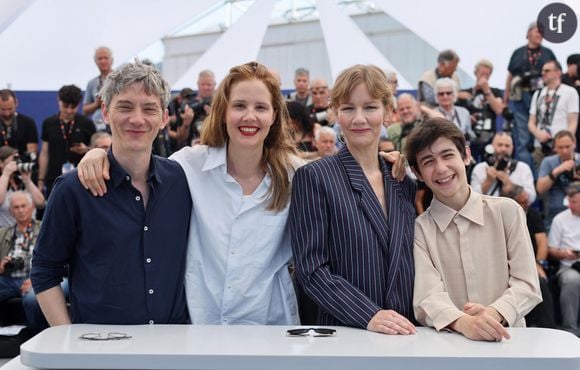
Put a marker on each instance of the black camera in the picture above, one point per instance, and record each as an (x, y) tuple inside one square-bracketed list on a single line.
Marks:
[(483, 128), (26, 162), (15, 264), (548, 147), (500, 163), (197, 107), (508, 117), (574, 173), (532, 80)]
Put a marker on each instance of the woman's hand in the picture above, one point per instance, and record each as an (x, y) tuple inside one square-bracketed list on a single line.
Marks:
[(93, 170), (391, 322)]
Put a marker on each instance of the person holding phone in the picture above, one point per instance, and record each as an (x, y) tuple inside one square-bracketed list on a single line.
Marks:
[(66, 137)]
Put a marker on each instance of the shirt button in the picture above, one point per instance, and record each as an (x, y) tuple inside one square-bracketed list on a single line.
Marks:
[(137, 198), (148, 260), (151, 322), (145, 228), (151, 291)]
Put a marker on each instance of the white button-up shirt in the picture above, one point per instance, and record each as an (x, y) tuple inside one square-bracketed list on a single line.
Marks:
[(239, 252)]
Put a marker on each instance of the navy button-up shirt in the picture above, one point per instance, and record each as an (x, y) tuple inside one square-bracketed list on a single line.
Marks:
[(126, 262)]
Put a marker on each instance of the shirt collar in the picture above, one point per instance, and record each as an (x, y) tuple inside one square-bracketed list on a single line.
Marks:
[(472, 210), (217, 156), (119, 175)]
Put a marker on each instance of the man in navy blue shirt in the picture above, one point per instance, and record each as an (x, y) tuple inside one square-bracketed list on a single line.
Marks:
[(126, 250)]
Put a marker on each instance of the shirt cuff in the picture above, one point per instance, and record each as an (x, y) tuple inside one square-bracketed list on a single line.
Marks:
[(506, 310), (446, 317)]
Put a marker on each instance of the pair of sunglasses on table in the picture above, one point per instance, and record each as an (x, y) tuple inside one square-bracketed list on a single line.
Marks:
[(298, 332), (315, 332)]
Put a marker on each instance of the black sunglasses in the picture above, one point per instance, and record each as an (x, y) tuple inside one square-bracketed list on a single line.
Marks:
[(316, 332)]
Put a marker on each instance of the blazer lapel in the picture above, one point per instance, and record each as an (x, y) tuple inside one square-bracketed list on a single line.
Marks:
[(367, 199), (399, 227)]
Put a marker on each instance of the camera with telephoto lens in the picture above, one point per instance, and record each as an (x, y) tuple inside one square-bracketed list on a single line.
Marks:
[(26, 162), (15, 264), (500, 163), (197, 107)]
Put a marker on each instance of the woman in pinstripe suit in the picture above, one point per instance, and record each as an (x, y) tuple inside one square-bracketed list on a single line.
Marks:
[(352, 223)]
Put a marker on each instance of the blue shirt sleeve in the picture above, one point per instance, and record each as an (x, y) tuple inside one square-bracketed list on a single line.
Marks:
[(57, 237)]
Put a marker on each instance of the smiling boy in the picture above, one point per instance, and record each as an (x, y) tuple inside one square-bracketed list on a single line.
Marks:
[(474, 263)]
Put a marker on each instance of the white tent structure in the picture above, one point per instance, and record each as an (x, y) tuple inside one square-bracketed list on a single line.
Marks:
[(48, 43)]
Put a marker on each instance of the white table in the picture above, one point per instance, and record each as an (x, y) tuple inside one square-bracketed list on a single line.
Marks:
[(268, 347)]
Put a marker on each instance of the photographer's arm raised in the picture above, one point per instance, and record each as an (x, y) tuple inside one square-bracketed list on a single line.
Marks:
[(508, 85), (496, 103), (37, 196), (183, 131), (490, 178), (545, 182), (7, 172), (42, 164)]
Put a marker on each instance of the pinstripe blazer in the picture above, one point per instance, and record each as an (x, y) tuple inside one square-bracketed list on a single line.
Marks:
[(350, 259)]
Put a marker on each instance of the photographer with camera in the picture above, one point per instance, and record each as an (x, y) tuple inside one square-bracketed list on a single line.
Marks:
[(499, 173), (194, 109), (484, 103), (524, 77), (557, 172), (16, 129), (553, 108), (571, 78), (564, 245), (16, 174), (320, 98), (16, 246)]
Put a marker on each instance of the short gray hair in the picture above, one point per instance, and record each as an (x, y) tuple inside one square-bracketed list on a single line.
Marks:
[(301, 72), (446, 82), (407, 96), (23, 193), (390, 75), (98, 135), (136, 73), (206, 73), (324, 130)]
